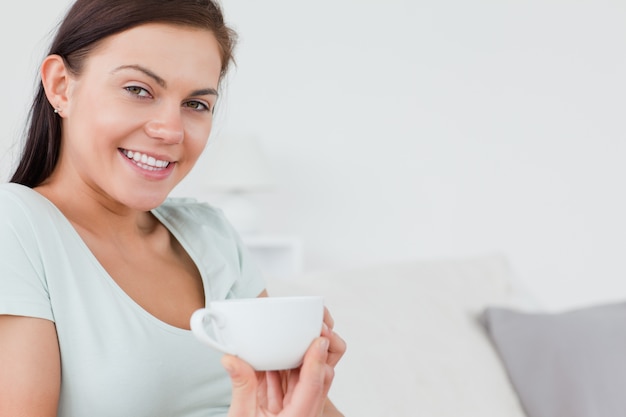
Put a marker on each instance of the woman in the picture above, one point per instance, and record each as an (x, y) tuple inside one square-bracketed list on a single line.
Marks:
[(100, 273)]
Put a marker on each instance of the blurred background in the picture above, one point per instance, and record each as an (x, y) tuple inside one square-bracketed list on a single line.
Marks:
[(397, 130)]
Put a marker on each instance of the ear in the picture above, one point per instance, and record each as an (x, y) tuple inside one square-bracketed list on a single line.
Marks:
[(55, 79)]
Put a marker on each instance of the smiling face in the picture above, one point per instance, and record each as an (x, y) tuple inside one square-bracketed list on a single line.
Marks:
[(138, 116)]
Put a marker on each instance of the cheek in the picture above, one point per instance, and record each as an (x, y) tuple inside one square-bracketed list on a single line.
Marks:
[(195, 150), (197, 136), (101, 119)]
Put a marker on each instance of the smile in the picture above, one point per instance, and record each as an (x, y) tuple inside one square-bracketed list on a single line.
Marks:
[(144, 161)]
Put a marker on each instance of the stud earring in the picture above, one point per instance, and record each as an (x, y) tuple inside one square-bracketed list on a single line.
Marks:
[(56, 111)]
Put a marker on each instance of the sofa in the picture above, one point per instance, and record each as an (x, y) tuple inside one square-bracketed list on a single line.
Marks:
[(457, 337)]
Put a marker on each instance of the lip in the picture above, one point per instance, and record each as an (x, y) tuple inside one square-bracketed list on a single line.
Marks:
[(156, 175)]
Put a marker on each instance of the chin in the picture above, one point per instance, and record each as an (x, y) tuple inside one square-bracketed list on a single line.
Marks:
[(145, 202), (152, 204)]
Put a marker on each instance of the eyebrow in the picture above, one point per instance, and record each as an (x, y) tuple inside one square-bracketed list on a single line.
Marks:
[(161, 81)]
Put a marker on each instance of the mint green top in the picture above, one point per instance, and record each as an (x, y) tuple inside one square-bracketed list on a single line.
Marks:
[(116, 358)]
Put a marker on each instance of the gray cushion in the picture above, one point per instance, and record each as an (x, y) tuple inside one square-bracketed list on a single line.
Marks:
[(566, 364)]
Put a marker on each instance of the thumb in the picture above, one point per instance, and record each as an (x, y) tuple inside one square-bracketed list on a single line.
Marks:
[(244, 383)]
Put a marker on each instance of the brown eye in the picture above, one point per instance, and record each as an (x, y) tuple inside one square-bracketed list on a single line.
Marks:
[(197, 105), (137, 91)]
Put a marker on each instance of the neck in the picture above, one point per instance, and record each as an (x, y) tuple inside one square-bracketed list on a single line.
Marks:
[(90, 211)]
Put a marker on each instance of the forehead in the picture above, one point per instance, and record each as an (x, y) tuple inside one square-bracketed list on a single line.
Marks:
[(164, 48)]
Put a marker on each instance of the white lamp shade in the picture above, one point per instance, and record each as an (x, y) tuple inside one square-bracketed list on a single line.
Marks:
[(235, 164)]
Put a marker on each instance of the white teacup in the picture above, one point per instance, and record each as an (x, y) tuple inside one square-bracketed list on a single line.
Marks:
[(270, 333)]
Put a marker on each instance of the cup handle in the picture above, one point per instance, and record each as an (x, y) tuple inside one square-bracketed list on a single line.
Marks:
[(197, 327)]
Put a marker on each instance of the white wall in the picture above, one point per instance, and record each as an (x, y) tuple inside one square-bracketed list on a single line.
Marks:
[(23, 38), (403, 129)]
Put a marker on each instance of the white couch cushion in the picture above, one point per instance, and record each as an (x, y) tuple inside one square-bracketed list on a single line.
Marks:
[(415, 346)]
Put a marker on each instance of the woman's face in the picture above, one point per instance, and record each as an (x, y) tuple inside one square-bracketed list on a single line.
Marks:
[(139, 115)]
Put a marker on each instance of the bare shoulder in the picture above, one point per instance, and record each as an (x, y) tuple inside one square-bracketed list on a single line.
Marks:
[(30, 380)]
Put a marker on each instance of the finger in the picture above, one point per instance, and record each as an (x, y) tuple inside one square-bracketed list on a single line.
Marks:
[(313, 384), (275, 392), (290, 382), (244, 383), (329, 376), (337, 344), (336, 350), (328, 319)]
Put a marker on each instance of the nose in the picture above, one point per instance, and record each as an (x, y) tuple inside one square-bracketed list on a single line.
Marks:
[(166, 125)]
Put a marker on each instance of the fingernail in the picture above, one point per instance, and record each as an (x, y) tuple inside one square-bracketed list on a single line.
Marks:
[(324, 343), (325, 329), (227, 365)]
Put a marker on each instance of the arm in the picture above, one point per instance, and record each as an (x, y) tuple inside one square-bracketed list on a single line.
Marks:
[(30, 380), (330, 410)]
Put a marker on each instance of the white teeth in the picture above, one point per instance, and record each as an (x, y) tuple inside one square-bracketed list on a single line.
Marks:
[(144, 161)]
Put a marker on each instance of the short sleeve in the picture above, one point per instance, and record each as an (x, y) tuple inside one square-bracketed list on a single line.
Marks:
[(227, 268), (23, 287)]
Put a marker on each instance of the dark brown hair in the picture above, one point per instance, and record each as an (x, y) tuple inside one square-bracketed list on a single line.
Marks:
[(86, 24)]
